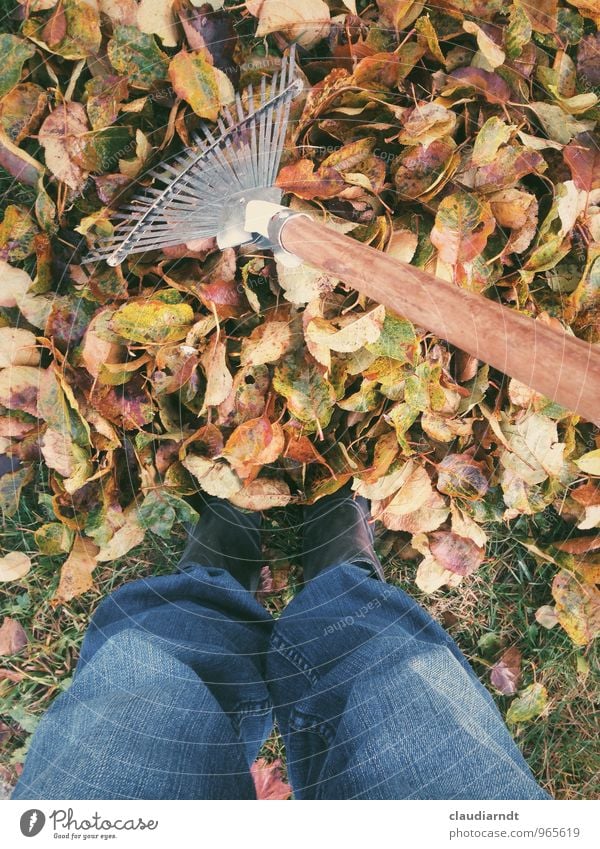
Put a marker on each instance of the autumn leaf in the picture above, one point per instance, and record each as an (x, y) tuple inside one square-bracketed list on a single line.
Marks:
[(253, 444), (76, 571), (309, 395), (152, 321), (194, 80), (463, 225), (577, 607), (268, 781), (64, 135), (137, 56), (13, 638), (15, 52), (262, 494), (530, 704), (301, 179), (459, 475), (155, 17), (505, 674), (304, 21), (267, 343), (14, 566)]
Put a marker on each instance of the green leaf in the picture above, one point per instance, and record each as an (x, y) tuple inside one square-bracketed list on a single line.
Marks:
[(310, 396), (137, 55), (530, 704), (15, 52), (161, 509)]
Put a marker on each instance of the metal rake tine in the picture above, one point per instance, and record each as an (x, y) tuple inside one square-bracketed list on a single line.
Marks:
[(241, 155)]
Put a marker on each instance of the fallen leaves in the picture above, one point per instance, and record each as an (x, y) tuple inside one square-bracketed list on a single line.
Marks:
[(76, 571), (530, 704), (268, 780), (13, 638), (200, 369), (14, 566), (194, 79), (64, 137), (505, 674), (577, 607)]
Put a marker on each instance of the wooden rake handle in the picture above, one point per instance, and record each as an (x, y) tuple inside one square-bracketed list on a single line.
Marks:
[(561, 367)]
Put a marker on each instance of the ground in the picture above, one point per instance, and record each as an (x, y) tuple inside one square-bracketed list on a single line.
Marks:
[(497, 603)]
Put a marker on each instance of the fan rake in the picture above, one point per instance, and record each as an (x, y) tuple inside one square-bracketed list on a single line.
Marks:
[(224, 187), (204, 191)]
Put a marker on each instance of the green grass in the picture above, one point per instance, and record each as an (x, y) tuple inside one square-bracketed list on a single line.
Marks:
[(501, 599)]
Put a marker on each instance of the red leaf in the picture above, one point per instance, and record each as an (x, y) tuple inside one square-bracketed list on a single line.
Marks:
[(489, 85), (583, 158), (506, 673), (268, 781)]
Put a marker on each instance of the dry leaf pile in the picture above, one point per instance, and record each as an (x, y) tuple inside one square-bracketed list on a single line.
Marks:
[(461, 137)]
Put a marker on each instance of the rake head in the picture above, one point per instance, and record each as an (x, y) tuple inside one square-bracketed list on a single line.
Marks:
[(206, 190)]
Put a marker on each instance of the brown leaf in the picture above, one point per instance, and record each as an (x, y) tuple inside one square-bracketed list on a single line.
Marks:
[(268, 780), (13, 638), (583, 158), (455, 553), (579, 545), (76, 571), (64, 136), (218, 377), (262, 494), (506, 672), (489, 85), (459, 475), (301, 179)]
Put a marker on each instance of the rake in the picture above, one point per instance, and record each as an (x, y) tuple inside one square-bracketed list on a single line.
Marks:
[(224, 187)]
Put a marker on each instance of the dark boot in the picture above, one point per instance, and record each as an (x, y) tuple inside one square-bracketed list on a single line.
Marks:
[(337, 530), (226, 538)]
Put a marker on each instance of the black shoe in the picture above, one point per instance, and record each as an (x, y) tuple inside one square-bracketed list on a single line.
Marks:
[(337, 530), (226, 538)]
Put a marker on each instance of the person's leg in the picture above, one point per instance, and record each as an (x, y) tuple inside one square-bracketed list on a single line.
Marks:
[(168, 700), (376, 701)]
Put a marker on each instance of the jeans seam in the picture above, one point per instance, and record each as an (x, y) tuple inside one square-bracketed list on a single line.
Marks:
[(295, 657), (300, 721)]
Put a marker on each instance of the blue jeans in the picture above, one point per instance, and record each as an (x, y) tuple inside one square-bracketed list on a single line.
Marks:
[(179, 678)]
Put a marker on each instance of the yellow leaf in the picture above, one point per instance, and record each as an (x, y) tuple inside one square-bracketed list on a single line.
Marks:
[(590, 462), (194, 80), (153, 321)]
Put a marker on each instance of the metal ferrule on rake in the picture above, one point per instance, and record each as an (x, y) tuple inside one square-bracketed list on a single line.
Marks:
[(207, 190)]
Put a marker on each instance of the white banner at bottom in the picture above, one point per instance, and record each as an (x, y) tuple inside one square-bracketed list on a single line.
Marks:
[(309, 825)]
